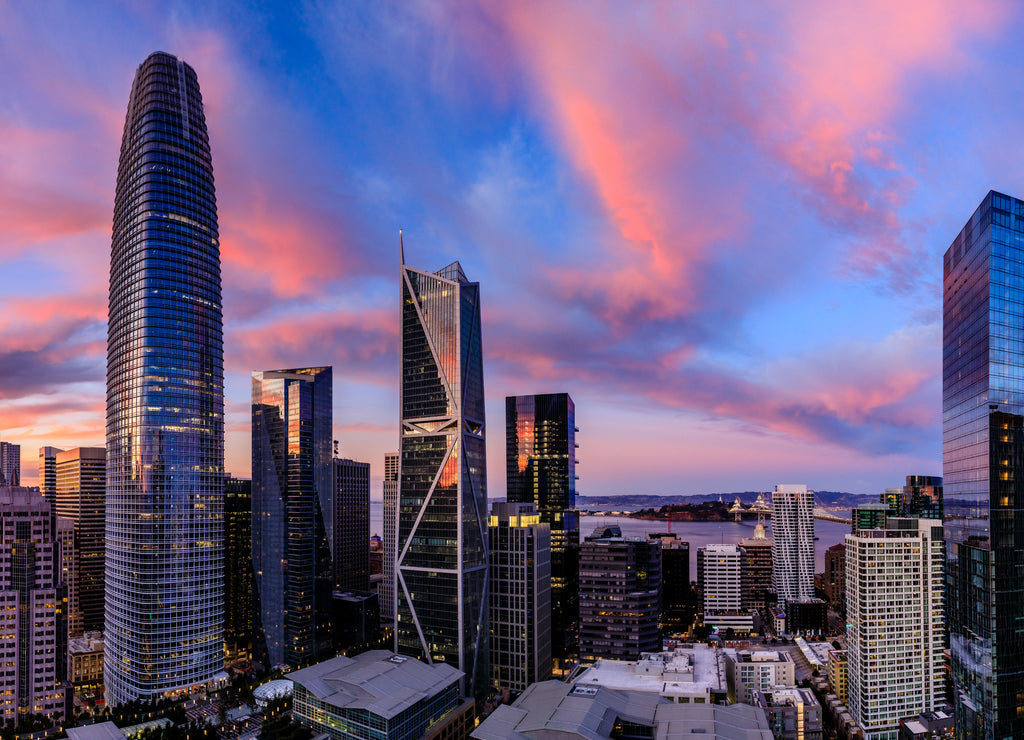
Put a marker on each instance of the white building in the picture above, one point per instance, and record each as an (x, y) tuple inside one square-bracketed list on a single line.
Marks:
[(793, 542), (757, 670), (720, 582), (33, 632), (895, 611), (686, 675)]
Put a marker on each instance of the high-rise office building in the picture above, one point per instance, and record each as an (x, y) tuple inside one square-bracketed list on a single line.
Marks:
[(441, 550), (540, 468), (676, 597), (292, 514), (620, 596), (835, 575), (793, 542), (390, 537), (165, 398), (757, 570), (81, 494), (520, 559), (10, 464), (895, 623), (720, 584), (239, 606), (48, 473), (922, 497), (982, 461), (351, 525), (33, 634)]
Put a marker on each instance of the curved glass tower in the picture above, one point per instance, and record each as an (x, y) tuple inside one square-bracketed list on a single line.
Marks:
[(165, 397)]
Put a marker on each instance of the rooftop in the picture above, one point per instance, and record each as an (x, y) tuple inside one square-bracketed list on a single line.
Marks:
[(682, 672), (378, 681)]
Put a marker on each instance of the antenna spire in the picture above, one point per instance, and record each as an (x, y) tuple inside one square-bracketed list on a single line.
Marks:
[(401, 248)]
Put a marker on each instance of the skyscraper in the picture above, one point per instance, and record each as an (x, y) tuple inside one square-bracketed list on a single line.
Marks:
[(351, 525), (48, 473), (10, 464), (983, 467), (292, 514), (239, 581), (33, 634), (620, 596), (81, 494), (520, 555), (390, 491), (441, 563), (793, 542), (896, 623), (165, 397), (540, 468)]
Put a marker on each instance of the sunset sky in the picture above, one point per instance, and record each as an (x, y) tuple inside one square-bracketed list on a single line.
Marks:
[(718, 226)]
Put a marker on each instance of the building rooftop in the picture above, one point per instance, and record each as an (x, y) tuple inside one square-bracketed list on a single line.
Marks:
[(378, 681), (552, 710), (682, 672), (98, 731)]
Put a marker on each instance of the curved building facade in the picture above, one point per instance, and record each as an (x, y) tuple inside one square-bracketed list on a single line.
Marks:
[(164, 607)]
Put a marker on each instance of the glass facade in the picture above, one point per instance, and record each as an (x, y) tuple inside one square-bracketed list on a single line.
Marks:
[(540, 468), (238, 577), (441, 543), (164, 608), (983, 467), (292, 504)]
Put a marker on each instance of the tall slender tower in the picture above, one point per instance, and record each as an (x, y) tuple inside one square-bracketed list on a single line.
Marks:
[(293, 514), (390, 486), (81, 492), (793, 542), (165, 398), (48, 473), (983, 468), (540, 468), (441, 564)]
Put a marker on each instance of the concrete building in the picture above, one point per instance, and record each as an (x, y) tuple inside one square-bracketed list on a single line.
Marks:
[(390, 536), (757, 670), (620, 596), (837, 674), (720, 585), (896, 623), (33, 631), (85, 660), (520, 593), (793, 714), (48, 473), (553, 709), (685, 675), (793, 542), (351, 525), (81, 496), (378, 695), (835, 575)]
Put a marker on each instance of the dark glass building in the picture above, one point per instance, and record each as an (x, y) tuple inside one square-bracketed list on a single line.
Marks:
[(165, 398), (292, 514), (238, 575), (540, 469), (983, 467), (80, 490), (351, 525), (441, 551)]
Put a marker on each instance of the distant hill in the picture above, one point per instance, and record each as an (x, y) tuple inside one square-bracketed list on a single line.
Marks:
[(647, 501)]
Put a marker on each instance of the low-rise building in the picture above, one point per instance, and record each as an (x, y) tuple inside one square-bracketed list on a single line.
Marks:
[(85, 660), (552, 709), (793, 714), (837, 673), (761, 670), (378, 695), (685, 675)]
